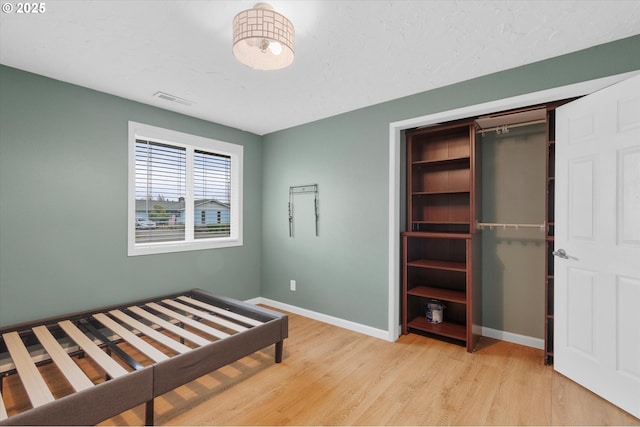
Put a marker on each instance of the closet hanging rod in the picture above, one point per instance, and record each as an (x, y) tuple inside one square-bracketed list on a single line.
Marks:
[(509, 126), (542, 226)]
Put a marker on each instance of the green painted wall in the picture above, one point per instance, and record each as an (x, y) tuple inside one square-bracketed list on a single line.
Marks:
[(63, 198), (343, 272), (63, 204)]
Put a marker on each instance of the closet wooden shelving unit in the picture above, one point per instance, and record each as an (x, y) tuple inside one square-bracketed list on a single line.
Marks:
[(550, 229), (441, 256), (549, 236), (441, 246)]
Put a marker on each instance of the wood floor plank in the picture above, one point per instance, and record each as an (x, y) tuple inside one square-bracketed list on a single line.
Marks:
[(76, 377), (150, 332), (204, 315), (110, 366), (226, 313), (188, 321), (34, 384), (3, 409), (576, 405), (124, 333), (181, 332)]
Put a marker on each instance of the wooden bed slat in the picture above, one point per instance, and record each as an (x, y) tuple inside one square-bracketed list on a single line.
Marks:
[(150, 332), (207, 316), (34, 384), (169, 326), (222, 312), (110, 366), (146, 348), (76, 377), (187, 321), (3, 410)]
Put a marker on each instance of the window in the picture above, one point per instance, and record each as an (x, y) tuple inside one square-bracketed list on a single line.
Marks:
[(185, 192)]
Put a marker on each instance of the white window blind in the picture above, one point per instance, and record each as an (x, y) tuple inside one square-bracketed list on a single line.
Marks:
[(160, 192), (212, 194)]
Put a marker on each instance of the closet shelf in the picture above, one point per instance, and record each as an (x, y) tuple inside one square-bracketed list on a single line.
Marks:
[(444, 161), (438, 265), (436, 235), (441, 192), (441, 222), (446, 329), (439, 294)]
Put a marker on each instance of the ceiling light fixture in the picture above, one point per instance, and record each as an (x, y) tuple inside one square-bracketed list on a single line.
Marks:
[(263, 39)]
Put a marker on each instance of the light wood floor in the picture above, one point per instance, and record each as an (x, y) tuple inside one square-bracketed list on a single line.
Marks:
[(331, 376)]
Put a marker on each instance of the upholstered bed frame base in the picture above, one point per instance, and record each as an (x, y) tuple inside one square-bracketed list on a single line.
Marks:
[(226, 329)]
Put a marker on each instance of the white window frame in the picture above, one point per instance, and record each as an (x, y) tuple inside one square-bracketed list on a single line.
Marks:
[(190, 143)]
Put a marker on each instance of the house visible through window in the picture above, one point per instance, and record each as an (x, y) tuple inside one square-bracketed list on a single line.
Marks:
[(184, 191)]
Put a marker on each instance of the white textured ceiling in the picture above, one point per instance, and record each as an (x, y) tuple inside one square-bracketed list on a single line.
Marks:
[(349, 54)]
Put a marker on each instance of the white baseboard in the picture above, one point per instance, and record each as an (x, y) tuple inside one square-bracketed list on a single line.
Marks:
[(335, 321), (385, 335), (514, 338)]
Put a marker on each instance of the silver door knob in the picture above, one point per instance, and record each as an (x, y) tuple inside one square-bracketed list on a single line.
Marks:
[(560, 253)]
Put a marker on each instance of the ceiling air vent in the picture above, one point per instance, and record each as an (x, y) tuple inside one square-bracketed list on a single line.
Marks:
[(173, 99)]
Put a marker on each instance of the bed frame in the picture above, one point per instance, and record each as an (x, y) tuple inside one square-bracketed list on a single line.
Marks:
[(141, 350)]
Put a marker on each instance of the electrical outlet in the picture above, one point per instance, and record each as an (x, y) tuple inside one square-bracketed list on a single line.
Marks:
[(292, 285)]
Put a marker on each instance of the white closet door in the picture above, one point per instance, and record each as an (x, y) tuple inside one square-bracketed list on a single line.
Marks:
[(597, 263)]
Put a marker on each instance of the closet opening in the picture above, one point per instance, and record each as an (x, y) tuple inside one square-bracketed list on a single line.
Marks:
[(397, 181), (487, 180)]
